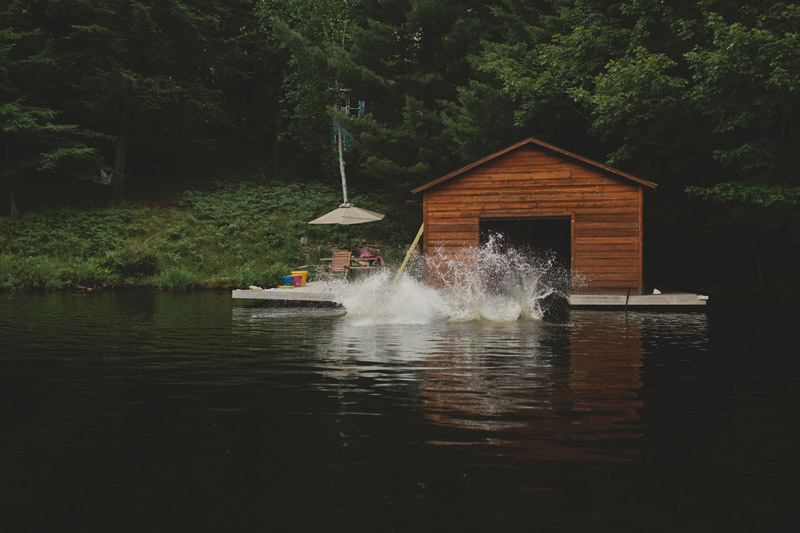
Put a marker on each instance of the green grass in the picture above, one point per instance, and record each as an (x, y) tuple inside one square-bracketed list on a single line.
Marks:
[(235, 234)]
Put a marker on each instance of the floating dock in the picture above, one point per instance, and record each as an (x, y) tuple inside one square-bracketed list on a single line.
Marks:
[(314, 293), (319, 294), (677, 300)]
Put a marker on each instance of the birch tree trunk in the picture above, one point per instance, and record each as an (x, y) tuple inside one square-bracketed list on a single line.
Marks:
[(341, 163)]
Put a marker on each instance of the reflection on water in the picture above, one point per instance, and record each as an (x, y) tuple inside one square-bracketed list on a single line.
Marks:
[(535, 390), (170, 412)]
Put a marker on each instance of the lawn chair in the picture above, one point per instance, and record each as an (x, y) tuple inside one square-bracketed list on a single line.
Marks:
[(339, 265)]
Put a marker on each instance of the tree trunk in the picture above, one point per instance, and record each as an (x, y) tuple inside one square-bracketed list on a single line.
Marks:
[(276, 148), (341, 163), (276, 144), (120, 154), (757, 256), (13, 203)]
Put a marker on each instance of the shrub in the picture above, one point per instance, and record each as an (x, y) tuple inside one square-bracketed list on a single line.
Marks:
[(86, 272), (176, 279), (134, 259), (238, 233), (273, 275), (10, 273)]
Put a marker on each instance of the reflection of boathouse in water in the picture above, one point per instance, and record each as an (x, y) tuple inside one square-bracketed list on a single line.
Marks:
[(548, 199), (565, 403)]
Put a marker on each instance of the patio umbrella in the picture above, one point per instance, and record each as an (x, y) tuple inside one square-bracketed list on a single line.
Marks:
[(346, 213)]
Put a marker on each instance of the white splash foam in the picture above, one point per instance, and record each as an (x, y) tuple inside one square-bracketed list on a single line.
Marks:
[(497, 284), (377, 299)]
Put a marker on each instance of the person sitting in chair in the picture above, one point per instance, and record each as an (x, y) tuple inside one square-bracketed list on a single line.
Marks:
[(366, 254)]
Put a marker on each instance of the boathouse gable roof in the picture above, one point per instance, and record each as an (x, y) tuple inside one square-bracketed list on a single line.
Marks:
[(548, 147)]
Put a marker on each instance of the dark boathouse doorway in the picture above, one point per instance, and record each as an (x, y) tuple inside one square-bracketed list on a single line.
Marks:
[(540, 237)]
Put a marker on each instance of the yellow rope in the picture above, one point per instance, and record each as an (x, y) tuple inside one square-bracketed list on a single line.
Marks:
[(409, 252)]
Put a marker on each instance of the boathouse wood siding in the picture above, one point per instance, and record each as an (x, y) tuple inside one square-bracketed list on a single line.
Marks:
[(533, 179)]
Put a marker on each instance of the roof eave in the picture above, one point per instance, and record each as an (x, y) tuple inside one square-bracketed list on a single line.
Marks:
[(531, 140)]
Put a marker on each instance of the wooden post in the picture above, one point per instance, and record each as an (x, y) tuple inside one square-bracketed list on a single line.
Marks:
[(409, 252), (641, 241)]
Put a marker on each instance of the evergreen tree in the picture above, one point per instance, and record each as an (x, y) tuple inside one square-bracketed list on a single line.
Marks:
[(139, 70), (34, 140), (314, 38), (433, 111)]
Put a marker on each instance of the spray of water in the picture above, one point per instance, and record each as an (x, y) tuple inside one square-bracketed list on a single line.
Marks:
[(494, 282)]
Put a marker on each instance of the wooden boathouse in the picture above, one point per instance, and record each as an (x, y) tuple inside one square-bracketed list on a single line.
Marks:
[(544, 197)]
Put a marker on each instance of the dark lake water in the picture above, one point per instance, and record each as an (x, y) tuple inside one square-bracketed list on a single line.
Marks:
[(192, 412)]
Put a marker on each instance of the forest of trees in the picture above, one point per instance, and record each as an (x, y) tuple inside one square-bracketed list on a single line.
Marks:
[(701, 97)]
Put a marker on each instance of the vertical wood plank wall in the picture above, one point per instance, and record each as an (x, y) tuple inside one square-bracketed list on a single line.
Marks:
[(530, 182)]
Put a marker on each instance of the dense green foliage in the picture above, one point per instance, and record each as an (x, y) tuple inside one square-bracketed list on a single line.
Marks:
[(701, 97), (233, 235)]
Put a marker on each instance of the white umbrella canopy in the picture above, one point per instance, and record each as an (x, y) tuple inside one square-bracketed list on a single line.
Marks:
[(347, 213)]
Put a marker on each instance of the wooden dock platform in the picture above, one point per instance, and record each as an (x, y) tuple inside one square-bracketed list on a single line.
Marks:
[(316, 293), (639, 301), (319, 294)]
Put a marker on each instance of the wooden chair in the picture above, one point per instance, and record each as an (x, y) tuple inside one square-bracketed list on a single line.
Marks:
[(339, 265)]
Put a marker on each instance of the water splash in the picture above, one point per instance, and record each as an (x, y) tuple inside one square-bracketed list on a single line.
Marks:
[(495, 282), (376, 299)]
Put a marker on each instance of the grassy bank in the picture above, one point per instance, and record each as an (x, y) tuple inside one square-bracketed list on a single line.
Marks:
[(231, 235)]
